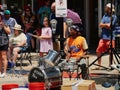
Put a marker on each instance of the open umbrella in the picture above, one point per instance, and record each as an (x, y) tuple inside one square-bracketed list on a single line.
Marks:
[(74, 16)]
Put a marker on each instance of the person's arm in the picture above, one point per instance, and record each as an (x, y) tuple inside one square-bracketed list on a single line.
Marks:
[(65, 29), (67, 50), (36, 36), (7, 29), (105, 25), (43, 37)]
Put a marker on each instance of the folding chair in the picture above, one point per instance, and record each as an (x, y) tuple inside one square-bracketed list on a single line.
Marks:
[(25, 54)]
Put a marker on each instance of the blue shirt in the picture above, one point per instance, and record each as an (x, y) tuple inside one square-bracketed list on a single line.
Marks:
[(11, 23), (44, 12), (106, 33)]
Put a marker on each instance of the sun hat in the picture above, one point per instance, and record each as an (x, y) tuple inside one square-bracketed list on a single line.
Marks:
[(17, 27), (75, 27), (7, 12), (109, 6)]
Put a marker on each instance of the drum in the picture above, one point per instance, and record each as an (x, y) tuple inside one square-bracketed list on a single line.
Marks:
[(71, 66), (53, 57), (50, 76), (50, 60)]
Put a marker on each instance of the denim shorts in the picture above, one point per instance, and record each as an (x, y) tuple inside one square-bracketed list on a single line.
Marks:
[(22, 49)]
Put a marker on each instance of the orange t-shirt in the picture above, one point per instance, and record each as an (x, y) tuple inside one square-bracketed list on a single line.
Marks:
[(77, 46)]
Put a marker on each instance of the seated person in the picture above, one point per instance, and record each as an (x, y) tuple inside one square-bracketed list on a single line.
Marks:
[(17, 42), (75, 46)]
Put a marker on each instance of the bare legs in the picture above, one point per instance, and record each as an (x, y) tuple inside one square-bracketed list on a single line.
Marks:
[(3, 61), (15, 53), (99, 60), (110, 58)]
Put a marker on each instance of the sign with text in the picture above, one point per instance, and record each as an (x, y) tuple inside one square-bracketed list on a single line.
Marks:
[(61, 8)]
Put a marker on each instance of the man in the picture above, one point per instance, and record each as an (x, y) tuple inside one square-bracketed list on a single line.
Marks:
[(59, 28), (8, 20), (76, 45), (44, 11), (18, 42), (75, 48), (105, 25)]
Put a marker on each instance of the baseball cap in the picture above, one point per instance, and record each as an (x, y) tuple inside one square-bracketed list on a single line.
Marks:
[(75, 27), (109, 5), (7, 12)]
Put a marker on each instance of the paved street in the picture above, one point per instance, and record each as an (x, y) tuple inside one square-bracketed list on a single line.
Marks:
[(23, 79)]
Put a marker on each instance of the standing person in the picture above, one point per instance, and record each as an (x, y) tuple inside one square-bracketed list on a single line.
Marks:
[(4, 41), (44, 11), (8, 20), (46, 43), (105, 25)]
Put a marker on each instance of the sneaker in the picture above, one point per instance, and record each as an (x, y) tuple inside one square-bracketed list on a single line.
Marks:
[(117, 67), (2, 75)]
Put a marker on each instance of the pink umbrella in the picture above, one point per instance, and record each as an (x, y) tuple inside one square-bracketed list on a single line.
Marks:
[(74, 16)]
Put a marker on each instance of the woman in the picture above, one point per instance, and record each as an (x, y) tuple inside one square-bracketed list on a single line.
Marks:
[(4, 44), (18, 40), (29, 23)]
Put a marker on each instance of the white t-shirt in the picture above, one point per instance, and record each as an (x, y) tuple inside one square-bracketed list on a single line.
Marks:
[(17, 39)]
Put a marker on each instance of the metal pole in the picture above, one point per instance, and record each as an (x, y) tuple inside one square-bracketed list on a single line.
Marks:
[(99, 15), (87, 19), (61, 38), (111, 46)]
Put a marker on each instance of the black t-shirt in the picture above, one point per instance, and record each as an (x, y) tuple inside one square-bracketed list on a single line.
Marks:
[(4, 40)]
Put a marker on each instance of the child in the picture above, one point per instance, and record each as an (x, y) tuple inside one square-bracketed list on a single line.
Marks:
[(46, 43)]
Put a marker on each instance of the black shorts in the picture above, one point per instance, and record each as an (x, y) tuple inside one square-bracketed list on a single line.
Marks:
[(4, 48)]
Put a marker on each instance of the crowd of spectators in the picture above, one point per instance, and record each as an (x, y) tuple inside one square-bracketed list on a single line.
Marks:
[(29, 29)]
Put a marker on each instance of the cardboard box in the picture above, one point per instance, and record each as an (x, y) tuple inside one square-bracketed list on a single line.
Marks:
[(79, 85)]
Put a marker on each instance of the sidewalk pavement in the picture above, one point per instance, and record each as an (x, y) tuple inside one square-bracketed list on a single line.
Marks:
[(21, 80)]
